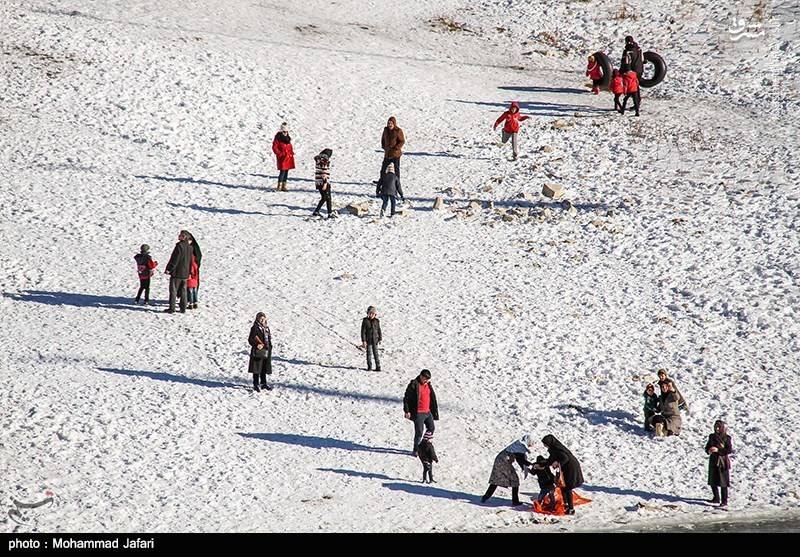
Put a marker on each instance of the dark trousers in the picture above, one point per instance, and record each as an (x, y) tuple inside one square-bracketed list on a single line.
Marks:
[(566, 493), (325, 199), (427, 472), (637, 98), (490, 491), (715, 490), (648, 420), (283, 175), (144, 286), (372, 350), (386, 199), (420, 420), (177, 287), (261, 368), (396, 161), (617, 104)]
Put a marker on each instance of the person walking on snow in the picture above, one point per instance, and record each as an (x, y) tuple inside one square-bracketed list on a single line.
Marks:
[(427, 455), (632, 58), (631, 91), (322, 179), (392, 141), (503, 473), (388, 189), (617, 86), (571, 473), (719, 448), (512, 118), (145, 269), (420, 406), (595, 73), (284, 154), (179, 269), (371, 336)]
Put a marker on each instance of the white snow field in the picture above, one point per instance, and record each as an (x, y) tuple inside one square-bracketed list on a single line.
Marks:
[(125, 121)]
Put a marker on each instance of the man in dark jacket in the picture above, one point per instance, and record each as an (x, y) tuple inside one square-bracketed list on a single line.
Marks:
[(371, 337), (420, 406), (632, 58), (178, 269)]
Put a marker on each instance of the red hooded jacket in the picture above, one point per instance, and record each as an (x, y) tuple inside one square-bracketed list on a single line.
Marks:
[(512, 119), (283, 152), (631, 82), (194, 274), (617, 85), (593, 70)]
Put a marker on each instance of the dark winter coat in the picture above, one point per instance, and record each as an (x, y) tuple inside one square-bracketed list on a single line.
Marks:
[(392, 141), (258, 336), (650, 404), (284, 153), (389, 185), (668, 408), (198, 254), (411, 400), (322, 172), (632, 59), (426, 452), (719, 463), (545, 478), (570, 467), (145, 265), (371, 330), (180, 262)]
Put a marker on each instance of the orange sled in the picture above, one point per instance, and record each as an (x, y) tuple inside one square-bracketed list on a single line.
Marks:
[(546, 507)]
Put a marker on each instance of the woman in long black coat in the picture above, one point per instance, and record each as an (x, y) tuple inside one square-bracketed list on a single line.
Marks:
[(260, 340), (571, 472), (718, 448)]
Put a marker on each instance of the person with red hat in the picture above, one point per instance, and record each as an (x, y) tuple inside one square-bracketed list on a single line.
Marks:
[(512, 118)]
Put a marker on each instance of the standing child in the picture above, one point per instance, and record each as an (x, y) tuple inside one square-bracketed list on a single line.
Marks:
[(547, 483), (322, 179), (512, 118), (371, 337), (595, 73), (145, 269), (192, 283), (650, 405), (388, 189), (618, 88), (427, 454), (631, 81)]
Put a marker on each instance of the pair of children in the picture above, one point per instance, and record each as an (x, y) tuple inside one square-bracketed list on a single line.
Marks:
[(628, 84)]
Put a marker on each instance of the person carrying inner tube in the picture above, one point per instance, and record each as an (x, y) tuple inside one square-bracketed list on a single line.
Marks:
[(632, 58)]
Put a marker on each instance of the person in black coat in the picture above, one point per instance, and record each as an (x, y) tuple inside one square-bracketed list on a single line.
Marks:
[(547, 482), (571, 473), (632, 58), (260, 340), (420, 406), (427, 455), (371, 336), (389, 189), (718, 448), (178, 268)]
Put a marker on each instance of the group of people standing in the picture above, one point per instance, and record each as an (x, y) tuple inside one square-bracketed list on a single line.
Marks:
[(183, 268), (388, 185)]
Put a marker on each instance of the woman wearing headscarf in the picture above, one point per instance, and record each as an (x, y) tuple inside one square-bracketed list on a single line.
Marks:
[(503, 473), (571, 473), (718, 448), (284, 155), (668, 421), (260, 340)]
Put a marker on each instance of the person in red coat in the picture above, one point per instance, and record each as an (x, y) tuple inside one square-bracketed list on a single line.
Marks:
[(618, 88), (284, 153), (595, 73), (512, 118), (631, 81), (192, 283)]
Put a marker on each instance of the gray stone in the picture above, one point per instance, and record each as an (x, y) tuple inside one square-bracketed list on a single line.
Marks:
[(553, 191), (547, 149), (438, 203), (358, 209)]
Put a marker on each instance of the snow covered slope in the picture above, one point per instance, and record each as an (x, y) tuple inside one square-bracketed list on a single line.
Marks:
[(125, 121)]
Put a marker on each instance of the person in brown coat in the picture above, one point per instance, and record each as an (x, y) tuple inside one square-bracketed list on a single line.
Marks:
[(260, 341), (718, 448), (392, 142)]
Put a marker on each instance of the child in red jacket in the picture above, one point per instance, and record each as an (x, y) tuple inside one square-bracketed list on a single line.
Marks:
[(595, 74), (192, 283), (631, 91), (144, 268), (512, 118), (618, 88)]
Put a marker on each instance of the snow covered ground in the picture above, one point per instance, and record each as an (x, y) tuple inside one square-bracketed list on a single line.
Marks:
[(125, 121)]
